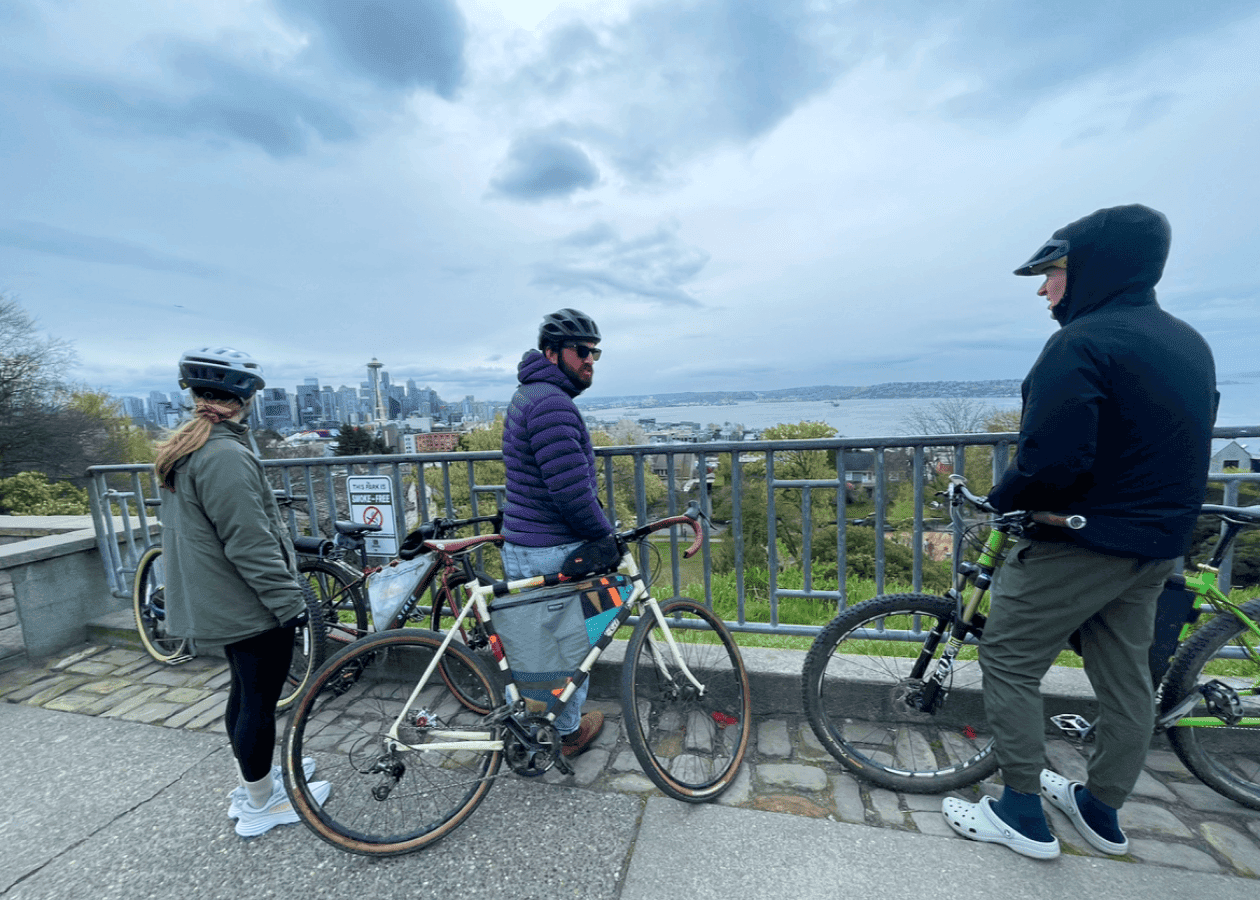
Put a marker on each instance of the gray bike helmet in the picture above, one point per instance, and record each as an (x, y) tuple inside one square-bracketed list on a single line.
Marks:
[(567, 326), (220, 370), (1047, 255)]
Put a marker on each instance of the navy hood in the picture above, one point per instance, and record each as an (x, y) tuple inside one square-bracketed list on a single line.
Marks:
[(535, 367), (1115, 255)]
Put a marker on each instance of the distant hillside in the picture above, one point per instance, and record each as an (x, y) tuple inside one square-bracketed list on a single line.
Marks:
[(903, 389)]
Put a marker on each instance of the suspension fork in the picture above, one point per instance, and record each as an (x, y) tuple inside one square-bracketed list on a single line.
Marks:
[(935, 685)]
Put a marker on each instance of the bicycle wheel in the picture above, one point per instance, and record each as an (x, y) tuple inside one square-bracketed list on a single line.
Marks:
[(473, 636), (388, 796), (860, 698), (690, 741), (340, 595), (148, 603), (1225, 757), (309, 651)]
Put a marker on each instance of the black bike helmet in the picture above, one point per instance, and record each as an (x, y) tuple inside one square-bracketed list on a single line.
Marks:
[(567, 326), (1050, 252), (220, 370)]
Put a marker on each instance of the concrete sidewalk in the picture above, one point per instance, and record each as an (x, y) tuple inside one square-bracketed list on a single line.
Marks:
[(100, 808), (119, 771)]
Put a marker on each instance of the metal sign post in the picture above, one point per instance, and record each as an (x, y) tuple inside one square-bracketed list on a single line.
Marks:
[(372, 503)]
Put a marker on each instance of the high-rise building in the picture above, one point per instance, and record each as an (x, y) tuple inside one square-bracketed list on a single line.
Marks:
[(310, 409), (277, 413)]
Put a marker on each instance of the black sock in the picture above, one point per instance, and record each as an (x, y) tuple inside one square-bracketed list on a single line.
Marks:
[(1099, 816), (1023, 812)]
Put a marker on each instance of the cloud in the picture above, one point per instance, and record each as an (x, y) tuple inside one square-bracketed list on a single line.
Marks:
[(400, 44), (542, 166), (49, 239), (674, 79), (653, 267), (213, 96)]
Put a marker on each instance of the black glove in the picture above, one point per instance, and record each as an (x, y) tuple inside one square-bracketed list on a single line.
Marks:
[(297, 621)]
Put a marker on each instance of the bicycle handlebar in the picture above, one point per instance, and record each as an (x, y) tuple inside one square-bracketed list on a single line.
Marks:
[(692, 518), (958, 488)]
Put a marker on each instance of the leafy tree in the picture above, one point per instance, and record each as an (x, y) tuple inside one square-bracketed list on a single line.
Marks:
[(623, 478), (355, 440), (32, 494), (486, 472)]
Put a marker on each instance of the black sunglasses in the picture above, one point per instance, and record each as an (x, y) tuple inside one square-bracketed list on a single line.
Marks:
[(584, 351)]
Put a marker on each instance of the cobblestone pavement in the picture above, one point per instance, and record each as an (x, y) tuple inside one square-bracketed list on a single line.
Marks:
[(1171, 820)]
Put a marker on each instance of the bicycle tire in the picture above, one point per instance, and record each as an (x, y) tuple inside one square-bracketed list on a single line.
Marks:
[(339, 591), (309, 651), (386, 801), (858, 702), (442, 616), (148, 605), (691, 745), (1225, 758)]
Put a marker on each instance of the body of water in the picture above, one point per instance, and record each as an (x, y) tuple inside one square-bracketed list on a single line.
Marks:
[(1240, 405)]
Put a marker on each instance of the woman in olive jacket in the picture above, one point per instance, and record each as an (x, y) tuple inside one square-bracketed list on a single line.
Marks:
[(231, 576)]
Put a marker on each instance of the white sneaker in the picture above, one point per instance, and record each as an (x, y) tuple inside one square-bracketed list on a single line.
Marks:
[(278, 811), (239, 796)]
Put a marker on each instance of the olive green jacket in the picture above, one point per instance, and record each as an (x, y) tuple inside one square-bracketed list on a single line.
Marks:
[(230, 566)]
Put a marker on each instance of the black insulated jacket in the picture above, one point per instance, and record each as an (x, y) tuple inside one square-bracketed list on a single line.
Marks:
[(1119, 407)]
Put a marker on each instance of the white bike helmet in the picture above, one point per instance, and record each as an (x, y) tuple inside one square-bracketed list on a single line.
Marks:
[(222, 370)]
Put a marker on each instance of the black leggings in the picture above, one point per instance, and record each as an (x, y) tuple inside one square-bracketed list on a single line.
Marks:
[(259, 665)]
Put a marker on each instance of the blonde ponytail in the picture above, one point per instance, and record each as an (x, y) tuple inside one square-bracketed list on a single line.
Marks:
[(193, 435)]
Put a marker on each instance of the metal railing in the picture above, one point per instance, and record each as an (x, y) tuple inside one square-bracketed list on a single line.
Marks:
[(753, 494)]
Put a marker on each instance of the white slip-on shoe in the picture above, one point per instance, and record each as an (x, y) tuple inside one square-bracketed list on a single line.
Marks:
[(978, 822), (1062, 793)]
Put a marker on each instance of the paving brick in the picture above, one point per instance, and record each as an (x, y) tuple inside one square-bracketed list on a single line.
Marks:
[(55, 687), (120, 656), (923, 802), (108, 701), (773, 740), (1201, 797), (91, 667), (1066, 760), (171, 677), (589, 766), (1149, 786), (887, 807), (793, 775), (187, 715), (1166, 761), (1151, 819), (846, 795), (808, 746), (741, 789), (151, 712), (632, 784), (104, 686), (212, 718), (75, 702), (140, 697), (186, 695), (625, 761), (75, 657), (931, 822), (1167, 853), (1238, 848)]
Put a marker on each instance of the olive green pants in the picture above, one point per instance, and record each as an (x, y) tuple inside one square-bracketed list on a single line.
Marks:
[(1043, 593)]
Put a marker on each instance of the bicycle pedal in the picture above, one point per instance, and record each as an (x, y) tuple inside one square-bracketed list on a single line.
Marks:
[(1073, 726)]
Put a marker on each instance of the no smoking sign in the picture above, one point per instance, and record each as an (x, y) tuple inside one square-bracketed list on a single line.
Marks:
[(372, 503)]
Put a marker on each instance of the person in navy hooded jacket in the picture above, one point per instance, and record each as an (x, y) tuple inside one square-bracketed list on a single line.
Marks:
[(1116, 426), (552, 495)]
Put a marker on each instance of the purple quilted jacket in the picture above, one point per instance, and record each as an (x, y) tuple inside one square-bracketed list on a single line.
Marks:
[(552, 497)]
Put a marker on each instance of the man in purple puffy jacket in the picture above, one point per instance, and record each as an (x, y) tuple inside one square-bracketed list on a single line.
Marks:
[(552, 498)]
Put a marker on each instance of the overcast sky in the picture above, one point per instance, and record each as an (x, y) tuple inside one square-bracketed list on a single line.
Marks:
[(744, 194)]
